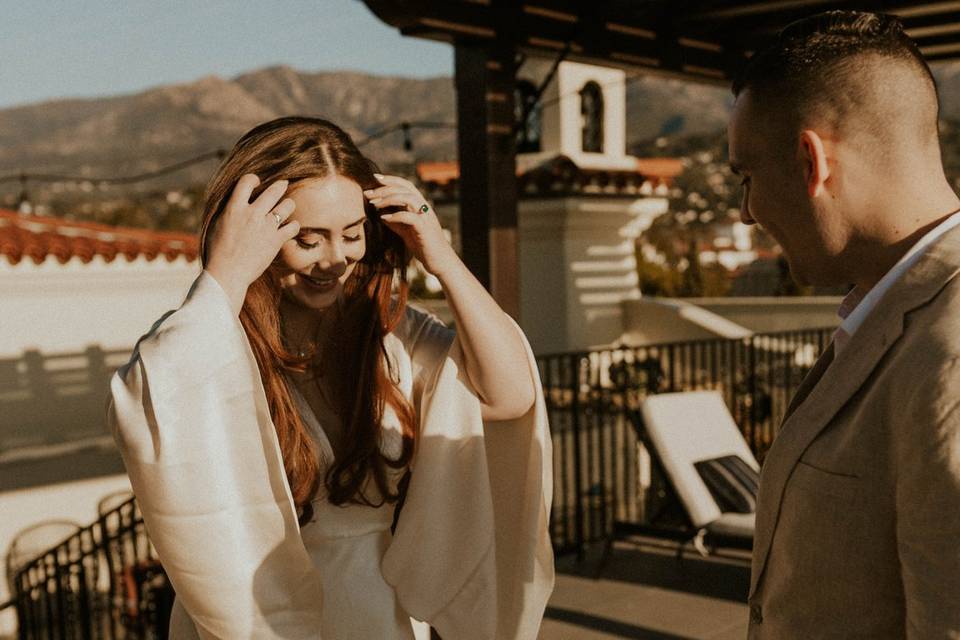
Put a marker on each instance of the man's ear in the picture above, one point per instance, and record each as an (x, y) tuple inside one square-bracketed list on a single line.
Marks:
[(816, 169)]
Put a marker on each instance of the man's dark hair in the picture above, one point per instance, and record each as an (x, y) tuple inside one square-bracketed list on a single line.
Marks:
[(827, 65), (805, 49)]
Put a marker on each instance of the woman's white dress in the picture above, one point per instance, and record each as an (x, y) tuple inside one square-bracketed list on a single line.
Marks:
[(346, 544), (471, 552)]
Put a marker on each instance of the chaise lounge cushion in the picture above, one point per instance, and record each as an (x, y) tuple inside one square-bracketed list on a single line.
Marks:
[(732, 483)]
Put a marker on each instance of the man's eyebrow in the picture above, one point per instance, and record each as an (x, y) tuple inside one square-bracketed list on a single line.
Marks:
[(322, 230)]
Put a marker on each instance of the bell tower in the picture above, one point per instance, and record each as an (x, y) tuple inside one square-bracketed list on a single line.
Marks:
[(581, 115)]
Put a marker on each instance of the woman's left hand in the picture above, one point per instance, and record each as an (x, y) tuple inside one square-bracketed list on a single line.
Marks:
[(417, 223), (494, 355)]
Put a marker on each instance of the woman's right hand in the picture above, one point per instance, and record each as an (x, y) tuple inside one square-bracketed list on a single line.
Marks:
[(247, 237)]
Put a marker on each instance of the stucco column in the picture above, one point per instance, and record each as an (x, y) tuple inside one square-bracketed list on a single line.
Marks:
[(577, 266)]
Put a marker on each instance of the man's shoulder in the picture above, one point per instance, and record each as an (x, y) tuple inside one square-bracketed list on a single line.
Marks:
[(923, 368), (934, 328)]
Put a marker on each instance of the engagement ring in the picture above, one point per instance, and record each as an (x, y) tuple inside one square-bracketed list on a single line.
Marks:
[(277, 216), (424, 208)]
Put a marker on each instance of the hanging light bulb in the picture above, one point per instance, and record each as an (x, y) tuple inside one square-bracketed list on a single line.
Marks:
[(24, 205)]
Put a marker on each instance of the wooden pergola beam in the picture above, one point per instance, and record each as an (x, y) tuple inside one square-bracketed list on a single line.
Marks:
[(700, 40)]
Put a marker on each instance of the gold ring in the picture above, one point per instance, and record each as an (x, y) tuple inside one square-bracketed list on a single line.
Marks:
[(277, 216)]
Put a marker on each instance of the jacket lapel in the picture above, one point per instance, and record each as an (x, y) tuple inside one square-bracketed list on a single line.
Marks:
[(833, 381), (810, 380)]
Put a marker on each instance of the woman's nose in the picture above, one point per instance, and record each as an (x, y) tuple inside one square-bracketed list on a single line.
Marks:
[(332, 256)]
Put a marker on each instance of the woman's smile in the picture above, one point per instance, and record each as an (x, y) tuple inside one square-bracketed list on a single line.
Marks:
[(320, 282)]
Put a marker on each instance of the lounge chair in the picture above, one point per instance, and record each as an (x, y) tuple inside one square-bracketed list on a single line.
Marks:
[(707, 464)]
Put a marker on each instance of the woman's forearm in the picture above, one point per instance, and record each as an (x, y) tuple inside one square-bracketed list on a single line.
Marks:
[(496, 359)]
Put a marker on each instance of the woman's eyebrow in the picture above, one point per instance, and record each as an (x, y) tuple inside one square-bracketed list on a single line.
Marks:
[(322, 230)]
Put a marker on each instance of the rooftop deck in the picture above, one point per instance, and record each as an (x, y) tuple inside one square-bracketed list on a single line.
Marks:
[(643, 591), (605, 485)]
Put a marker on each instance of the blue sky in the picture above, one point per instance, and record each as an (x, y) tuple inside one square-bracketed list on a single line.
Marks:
[(65, 48)]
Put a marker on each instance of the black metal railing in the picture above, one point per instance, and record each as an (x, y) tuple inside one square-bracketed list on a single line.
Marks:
[(601, 474), (104, 581)]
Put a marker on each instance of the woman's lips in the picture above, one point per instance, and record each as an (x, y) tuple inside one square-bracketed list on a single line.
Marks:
[(321, 284)]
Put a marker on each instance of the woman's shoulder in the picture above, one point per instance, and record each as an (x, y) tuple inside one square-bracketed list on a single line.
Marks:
[(419, 329)]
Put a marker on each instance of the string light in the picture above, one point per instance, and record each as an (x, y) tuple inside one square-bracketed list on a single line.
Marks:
[(406, 128), (23, 176)]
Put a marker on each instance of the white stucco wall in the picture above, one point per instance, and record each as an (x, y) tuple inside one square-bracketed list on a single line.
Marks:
[(769, 314), (577, 267), (64, 328), (57, 308), (652, 320)]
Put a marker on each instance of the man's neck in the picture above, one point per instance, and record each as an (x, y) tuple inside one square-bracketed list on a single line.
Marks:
[(878, 254)]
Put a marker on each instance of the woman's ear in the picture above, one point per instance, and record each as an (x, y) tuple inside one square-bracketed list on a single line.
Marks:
[(816, 168)]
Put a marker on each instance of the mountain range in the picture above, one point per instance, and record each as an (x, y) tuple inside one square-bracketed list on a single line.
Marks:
[(125, 134)]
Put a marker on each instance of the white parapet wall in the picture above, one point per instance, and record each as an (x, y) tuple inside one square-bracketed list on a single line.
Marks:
[(64, 328), (58, 308), (652, 320), (770, 314)]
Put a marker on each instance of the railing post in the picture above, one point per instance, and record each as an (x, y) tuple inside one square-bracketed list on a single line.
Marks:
[(104, 540), (752, 386), (577, 454), (672, 359)]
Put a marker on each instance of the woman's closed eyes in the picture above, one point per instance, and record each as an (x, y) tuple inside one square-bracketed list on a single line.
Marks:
[(306, 244)]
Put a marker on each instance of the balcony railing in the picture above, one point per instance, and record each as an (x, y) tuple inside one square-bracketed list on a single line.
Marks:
[(601, 473), (105, 581)]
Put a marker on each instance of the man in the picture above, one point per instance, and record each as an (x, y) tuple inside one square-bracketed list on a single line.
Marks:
[(834, 132)]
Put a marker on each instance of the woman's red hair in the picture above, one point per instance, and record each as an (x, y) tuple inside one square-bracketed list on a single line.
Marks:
[(297, 149)]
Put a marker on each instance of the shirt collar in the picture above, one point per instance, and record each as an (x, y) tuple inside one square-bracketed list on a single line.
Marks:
[(858, 304)]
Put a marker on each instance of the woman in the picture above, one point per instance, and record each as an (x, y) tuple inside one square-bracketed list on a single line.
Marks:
[(267, 423)]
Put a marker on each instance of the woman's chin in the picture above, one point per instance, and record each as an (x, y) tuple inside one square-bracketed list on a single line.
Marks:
[(307, 297)]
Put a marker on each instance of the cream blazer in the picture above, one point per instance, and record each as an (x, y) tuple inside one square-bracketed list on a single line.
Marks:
[(858, 515), (471, 554)]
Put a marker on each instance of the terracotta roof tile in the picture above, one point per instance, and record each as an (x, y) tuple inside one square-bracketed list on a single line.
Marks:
[(38, 237), (443, 173), (660, 167), (438, 172)]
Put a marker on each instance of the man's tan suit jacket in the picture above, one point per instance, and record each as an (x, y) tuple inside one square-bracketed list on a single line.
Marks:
[(858, 517)]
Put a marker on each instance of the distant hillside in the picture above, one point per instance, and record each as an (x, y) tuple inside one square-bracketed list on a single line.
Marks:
[(664, 107), (143, 131), (130, 133)]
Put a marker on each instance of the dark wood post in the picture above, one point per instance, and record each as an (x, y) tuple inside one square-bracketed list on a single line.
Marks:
[(488, 184)]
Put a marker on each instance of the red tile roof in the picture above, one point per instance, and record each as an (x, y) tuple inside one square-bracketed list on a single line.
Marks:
[(37, 237), (438, 172), (660, 167), (443, 173)]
